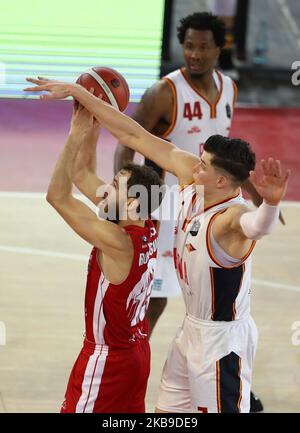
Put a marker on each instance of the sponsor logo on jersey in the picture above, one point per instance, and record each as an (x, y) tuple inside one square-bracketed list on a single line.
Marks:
[(228, 111), (195, 228), (167, 254), (145, 239), (144, 257), (152, 232), (194, 130)]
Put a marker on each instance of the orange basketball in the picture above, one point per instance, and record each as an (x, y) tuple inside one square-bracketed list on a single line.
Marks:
[(108, 82)]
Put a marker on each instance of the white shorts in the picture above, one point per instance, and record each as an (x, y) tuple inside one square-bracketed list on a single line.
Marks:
[(209, 367)]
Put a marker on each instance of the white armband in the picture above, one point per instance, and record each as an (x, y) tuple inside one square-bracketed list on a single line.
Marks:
[(260, 222)]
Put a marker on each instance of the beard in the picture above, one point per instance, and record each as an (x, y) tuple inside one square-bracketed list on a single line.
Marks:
[(196, 74)]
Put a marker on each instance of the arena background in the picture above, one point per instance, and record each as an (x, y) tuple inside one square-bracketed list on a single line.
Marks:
[(43, 264)]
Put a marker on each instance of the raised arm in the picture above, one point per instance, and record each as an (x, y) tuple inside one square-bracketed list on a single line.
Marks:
[(84, 170), (257, 200), (126, 130), (272, 188), (154, 108), (108, 237)]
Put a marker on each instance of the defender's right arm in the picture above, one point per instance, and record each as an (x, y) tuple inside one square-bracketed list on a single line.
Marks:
[(125, 129), (154, 107)]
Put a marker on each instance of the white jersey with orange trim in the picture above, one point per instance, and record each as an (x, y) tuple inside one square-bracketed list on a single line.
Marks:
[(194, 120), (211, 290), (210, 361)]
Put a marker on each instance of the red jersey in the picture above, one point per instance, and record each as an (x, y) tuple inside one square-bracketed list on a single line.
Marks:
[(115, 313)]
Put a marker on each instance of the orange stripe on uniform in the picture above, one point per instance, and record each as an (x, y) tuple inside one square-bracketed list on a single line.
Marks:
[(182, 187), (188, 220), (174, 114), (212, 293), (235, 93), (209, 248), (218, 383), (241, 386), (212, 106)]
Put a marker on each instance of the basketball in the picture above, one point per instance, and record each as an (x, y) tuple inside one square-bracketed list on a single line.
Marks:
[(108, 82)]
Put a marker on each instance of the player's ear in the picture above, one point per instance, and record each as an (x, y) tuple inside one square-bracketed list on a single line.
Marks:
[(218, 52), (133, 208), (222, 181)]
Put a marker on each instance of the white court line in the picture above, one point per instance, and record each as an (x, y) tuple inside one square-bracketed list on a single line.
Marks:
[(271, 285), (81, 257), (39, 195), (29, 195), (37, 252), (42, 196)]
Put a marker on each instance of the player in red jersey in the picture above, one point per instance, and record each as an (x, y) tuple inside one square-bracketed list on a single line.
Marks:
[(112, 369)]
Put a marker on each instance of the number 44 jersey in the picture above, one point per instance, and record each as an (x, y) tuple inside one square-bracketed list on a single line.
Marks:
[(194, 120)]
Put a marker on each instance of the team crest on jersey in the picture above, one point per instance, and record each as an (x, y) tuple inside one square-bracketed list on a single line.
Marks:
[(195, 228), (152, 231), (228, 111)]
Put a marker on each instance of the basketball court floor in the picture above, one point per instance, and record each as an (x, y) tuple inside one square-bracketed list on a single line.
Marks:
[(43, 265)]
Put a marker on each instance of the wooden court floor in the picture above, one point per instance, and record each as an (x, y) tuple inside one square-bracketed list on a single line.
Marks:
[(42, 281)]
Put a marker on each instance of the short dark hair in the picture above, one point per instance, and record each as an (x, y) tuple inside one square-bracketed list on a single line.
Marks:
[(233, 155), (203, 21), (146, 176)]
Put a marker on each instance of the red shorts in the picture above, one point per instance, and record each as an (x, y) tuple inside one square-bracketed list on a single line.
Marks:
[(106, 380)]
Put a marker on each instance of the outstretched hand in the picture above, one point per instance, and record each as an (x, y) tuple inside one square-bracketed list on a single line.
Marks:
[(56, 89), (273, 184)]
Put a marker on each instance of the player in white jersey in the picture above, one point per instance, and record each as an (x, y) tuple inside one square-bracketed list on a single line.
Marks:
[(209, 366), (186, 107)]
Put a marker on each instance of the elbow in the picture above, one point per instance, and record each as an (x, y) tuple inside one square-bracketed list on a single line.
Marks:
[(256, 236), (53, 199), (50, 197)]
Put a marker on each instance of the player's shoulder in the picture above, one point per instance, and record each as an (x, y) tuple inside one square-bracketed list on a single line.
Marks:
[(158, 91), (173, 75), (227, 81), (231, 216), (238, 208), (228, 219)]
